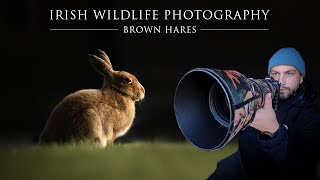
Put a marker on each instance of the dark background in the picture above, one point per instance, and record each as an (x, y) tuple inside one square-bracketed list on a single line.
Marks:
[(39, 67)]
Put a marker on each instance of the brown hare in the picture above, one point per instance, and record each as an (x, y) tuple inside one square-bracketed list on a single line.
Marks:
[(96, 115)]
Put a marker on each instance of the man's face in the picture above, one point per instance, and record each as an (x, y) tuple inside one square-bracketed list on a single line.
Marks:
[(289, 78)]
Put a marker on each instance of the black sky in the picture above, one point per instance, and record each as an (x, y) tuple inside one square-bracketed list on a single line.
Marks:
[(40, 67)]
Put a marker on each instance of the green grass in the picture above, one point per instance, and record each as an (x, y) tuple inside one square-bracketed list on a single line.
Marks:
[(139, 160)]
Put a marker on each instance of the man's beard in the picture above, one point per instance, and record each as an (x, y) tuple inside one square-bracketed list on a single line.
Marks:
[(288, 93)]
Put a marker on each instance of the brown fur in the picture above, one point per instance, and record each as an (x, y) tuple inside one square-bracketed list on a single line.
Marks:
[(96, 115)]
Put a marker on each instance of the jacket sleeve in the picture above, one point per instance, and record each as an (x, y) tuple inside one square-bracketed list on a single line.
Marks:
[(276, 147)]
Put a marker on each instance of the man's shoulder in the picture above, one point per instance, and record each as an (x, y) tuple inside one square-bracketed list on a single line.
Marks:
[(310, 116)]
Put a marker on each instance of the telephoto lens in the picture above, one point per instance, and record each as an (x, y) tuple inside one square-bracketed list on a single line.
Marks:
[(213, 105)]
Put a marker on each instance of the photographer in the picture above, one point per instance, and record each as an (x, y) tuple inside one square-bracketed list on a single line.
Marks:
[(282, 144)]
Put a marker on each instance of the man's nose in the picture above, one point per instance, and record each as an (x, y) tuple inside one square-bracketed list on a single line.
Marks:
[(282, 80)]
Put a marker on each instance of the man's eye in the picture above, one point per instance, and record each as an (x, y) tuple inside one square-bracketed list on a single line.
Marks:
[(289, 73)]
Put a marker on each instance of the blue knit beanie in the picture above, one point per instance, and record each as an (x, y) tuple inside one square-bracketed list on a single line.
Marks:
[(288, 56)]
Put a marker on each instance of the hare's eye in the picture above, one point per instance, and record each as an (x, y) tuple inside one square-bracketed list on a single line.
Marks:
[(128, 80)]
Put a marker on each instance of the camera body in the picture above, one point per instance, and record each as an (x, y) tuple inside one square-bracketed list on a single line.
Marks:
[(276, 86)]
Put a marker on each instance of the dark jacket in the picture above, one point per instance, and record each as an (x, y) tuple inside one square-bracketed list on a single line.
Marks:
[(294, 151)]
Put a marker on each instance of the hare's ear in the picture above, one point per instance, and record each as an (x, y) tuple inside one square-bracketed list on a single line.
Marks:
[(103, 56), (100, 65)]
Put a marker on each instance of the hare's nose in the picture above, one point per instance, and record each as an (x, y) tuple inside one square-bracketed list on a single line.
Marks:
[(142, 92), (142, 89)]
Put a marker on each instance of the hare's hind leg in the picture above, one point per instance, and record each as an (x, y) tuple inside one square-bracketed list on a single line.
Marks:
[(88, 127)]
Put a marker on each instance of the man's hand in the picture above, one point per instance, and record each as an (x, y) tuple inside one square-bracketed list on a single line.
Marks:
[(265, 118)]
